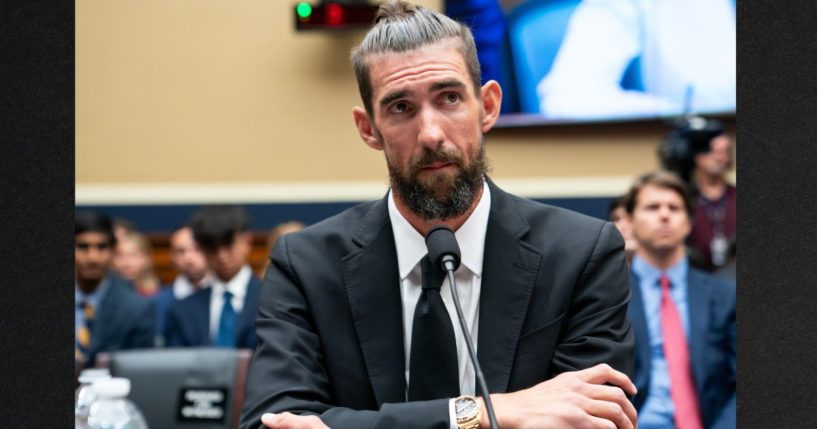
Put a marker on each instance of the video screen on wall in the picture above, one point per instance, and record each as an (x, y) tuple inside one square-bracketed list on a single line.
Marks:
[(578, 61)]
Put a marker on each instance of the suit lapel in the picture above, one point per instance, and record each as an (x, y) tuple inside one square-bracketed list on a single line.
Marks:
[(249, 310), (106, 319), (698, 310), (639, 322), (373, 289), (508, 276), (200, 317)]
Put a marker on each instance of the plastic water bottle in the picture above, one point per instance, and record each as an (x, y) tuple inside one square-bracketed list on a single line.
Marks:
[(112, 409), (85, 395)]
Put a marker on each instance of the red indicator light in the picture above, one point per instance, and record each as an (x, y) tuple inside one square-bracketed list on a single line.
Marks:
[(334, 14)]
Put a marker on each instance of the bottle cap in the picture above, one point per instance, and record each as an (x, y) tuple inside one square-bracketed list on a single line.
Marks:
[(114, 387), (91, 374)]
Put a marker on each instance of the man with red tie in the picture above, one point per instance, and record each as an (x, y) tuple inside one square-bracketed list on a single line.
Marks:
[(684, 319)]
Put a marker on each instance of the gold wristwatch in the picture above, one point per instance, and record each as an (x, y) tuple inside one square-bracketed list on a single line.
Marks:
[(468, 411)]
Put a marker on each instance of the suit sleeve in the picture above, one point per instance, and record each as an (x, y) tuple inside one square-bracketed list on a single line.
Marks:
[(597, 328), (287, 372)]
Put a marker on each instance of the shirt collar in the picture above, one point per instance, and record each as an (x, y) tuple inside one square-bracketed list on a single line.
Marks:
[(183, 287), (411, 246), (236, 285), (647, 272)]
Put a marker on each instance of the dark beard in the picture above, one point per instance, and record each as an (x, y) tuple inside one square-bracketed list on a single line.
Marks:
[(439, 201)]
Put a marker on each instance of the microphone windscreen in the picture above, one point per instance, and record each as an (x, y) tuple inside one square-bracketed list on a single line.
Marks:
[(440, 241)]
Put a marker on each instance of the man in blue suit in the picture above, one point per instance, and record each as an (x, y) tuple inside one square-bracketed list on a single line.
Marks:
[(193, 274), (684, 319), (109, 315), (223, 314)]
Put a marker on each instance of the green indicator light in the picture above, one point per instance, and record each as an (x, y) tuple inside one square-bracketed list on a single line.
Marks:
[(304, 10)]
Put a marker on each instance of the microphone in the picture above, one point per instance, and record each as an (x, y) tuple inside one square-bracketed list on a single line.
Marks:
[(444, 253)]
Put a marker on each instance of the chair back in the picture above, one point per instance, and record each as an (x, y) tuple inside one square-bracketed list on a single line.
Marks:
[(201, 387)]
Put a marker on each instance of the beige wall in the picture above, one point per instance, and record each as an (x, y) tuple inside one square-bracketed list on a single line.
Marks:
[(193, 91)]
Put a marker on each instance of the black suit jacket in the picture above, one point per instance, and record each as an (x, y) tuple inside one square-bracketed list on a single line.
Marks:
[(711, 305), (188, 320), (554, 298), (124, 320)]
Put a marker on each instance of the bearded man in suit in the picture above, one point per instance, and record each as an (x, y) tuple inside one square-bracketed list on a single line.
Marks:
[(544, 290)]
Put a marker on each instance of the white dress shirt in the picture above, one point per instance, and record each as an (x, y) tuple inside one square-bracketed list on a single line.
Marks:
[(183, 287), (237, 286), (411, 249)]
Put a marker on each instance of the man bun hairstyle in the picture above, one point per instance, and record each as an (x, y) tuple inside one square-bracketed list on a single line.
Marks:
[(401, 27)]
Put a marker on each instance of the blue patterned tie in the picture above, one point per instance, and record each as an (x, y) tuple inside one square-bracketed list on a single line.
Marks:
[(83, 335), (226, 325)]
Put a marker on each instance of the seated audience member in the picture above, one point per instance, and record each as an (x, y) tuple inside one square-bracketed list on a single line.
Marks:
[(728, 272), (276, 233), (619, 217), (223, 314), (192, 275), (683, 318), (715, 221), (133, 260), (109, 315), (121, 228)]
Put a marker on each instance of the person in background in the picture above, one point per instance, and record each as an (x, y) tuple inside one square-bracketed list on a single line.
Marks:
[(684, 319), (192, 275), (121, 228), (728, 272), (133, 260), (276, 233), (618, 215), (221, 315), (356, 325), (715, 221), (109, 315)]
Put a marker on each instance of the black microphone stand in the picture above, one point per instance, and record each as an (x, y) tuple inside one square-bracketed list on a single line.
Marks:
[(448, 262)]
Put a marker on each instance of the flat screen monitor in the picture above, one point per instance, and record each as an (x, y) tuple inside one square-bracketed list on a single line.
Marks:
[(582, 61)]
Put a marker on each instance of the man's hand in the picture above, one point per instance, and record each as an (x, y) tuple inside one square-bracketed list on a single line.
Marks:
[(291, 421), (579, 399)]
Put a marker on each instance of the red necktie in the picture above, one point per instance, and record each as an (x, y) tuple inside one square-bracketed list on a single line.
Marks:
[(682, 386)]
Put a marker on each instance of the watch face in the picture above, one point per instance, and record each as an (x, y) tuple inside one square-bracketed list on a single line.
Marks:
[(465, 407)]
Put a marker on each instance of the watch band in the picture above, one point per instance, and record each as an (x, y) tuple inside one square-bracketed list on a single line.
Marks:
[(468, 411)]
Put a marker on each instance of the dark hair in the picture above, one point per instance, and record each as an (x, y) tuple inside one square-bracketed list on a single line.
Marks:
[(92, 221), (401, 27), (180, 227), (123, 223), (615, 203), (217, 225), (662, 179)]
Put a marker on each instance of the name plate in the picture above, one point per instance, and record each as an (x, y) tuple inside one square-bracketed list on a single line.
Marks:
[(202, 404)]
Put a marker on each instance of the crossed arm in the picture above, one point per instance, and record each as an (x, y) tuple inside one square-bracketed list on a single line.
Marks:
[(590, 398), (296, 392)]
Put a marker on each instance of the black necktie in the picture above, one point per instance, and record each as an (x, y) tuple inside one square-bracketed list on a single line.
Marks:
[(433, 370)]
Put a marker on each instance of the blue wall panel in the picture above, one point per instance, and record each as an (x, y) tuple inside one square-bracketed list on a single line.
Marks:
[(164, 218)]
